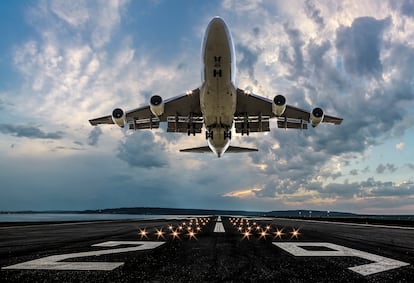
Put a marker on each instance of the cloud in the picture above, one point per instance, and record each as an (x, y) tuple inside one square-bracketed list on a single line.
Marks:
[(312, 12), (360, 46), (141, 150), (399, 146), (29, 132), (94, 136), (405, 7), (389, 167), (294, 60), (248, 60), (247, 193)]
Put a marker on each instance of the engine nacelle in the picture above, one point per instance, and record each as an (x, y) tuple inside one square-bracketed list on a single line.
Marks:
[(316, 116), (118, 116), (156, 105), (279, 105)]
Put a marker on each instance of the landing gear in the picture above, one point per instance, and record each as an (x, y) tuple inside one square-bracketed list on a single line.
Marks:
[(191, 129), (227, 134), (245, 132)]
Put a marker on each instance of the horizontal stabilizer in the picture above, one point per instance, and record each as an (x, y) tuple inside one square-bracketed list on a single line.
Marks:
[(237, 149), (201, 149), (230, 149)]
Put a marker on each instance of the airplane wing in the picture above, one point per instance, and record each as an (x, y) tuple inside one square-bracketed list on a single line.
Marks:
[(256, 111), (182, 113)]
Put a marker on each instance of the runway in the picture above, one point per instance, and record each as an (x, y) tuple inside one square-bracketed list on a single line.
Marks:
[(206, 249)]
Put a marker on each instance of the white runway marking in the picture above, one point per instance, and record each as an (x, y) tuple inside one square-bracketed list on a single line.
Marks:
[(219, 228), (379, 264), (55, 262)]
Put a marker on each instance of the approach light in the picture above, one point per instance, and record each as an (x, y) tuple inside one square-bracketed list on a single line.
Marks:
[(279, 233), (247, 235), (263, 235), (191, 235), (175, 234), (143, 233), (160, 234), (295, 233)]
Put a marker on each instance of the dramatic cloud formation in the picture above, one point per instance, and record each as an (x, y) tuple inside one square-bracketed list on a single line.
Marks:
[(28, 132), (70, 61)]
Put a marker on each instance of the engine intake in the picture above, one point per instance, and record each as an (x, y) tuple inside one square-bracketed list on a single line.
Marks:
[(118, 116), (316, 116), (279, 105), (157, 105)]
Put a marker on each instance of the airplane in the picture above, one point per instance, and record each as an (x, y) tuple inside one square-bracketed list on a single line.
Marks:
[(217, 104)]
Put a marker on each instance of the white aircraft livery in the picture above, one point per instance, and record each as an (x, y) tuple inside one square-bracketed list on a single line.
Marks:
[(217, 104)]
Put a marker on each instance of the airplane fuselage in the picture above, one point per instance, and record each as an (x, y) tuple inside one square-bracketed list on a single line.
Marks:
[(218, 92)]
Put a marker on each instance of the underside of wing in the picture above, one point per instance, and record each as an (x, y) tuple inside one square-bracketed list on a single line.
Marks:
[(182, 113), (253, 113)]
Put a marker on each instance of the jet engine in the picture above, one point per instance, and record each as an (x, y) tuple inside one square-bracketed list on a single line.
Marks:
[(157, 105), (316, 116), (118, 116), (279, 105)]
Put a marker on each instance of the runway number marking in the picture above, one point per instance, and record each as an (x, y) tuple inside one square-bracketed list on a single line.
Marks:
[(55, 262), (379, 264)]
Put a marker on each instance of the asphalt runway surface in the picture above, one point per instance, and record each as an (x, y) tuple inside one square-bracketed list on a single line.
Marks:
[(212, 249)]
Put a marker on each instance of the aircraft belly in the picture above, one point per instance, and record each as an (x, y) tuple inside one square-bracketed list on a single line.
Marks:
[(219, 104)]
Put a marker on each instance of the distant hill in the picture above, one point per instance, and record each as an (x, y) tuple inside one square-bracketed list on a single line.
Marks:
[(171, 211), (183, 211)]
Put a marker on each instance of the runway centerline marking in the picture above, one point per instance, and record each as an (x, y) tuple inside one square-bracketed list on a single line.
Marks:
[(219, 228), (379, 263), (54, 262)]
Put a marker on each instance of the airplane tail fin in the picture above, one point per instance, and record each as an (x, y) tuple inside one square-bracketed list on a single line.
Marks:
[(230, 149)]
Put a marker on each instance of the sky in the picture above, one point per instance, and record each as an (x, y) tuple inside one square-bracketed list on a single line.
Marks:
[(65, 62)]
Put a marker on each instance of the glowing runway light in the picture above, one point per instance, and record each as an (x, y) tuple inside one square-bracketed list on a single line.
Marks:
[(192, 235), (279, 233), (247, 235), (295, 233), (160, 234), (170, 227), (175, 234), (143, 233), (263, 235)]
